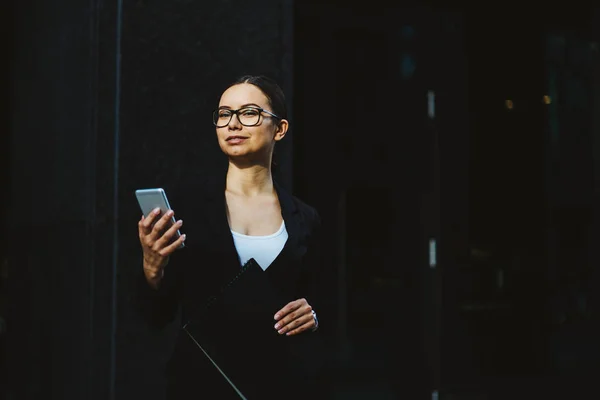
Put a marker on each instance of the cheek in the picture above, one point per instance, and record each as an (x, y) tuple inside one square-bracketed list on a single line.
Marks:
[(268, 133), (221, 133), (266, 139)]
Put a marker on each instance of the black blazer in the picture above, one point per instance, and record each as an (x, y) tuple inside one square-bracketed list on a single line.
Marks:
[(210, 260)]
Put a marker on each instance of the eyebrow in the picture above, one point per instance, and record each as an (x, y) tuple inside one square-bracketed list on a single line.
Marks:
[(243, 106)]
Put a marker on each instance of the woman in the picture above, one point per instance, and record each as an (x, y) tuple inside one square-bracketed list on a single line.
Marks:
[(245, 216)]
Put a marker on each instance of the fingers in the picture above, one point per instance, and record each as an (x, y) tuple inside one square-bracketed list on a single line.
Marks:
[(166, 237), (299, 324), (294, 316), (162, 224), (291, 306), (308, 326), (155, 238), (145, 223), (152, 228), (172, 247)]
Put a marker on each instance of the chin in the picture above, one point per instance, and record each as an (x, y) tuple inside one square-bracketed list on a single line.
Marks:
[(234, 151), (240, 156), (238, 153)]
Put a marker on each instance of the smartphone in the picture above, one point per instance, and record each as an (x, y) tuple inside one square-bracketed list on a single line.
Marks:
[(149, 199)]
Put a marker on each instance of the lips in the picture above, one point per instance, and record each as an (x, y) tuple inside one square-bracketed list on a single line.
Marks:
[(236, 139)]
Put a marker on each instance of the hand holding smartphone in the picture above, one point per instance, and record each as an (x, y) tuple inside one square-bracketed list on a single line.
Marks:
[(150, 199)]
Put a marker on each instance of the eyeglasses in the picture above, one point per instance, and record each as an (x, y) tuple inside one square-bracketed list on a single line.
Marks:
[(248, 116)]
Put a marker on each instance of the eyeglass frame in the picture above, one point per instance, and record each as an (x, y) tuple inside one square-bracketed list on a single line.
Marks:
[(236, 113)]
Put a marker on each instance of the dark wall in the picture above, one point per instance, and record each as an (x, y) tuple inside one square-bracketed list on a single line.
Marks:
[(52, 316), (108, 97), (7, 43)]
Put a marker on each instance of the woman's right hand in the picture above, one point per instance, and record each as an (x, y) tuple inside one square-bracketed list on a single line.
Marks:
[(156, 243)]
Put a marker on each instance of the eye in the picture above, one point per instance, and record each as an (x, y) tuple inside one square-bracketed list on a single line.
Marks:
[(249, 112), (224, 113)]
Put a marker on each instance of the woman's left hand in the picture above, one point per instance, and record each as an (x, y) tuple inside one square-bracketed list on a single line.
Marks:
[(294, 318)]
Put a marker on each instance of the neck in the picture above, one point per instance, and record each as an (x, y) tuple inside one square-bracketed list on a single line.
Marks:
[(249, 180)]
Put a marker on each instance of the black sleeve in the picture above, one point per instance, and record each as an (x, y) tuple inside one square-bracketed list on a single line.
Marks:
[(158, 307)]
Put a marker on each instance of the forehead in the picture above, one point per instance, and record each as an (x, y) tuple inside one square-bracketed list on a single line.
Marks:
[(241, 94)]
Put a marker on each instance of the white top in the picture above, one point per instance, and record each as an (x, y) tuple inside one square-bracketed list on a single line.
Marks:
[(264, 249)]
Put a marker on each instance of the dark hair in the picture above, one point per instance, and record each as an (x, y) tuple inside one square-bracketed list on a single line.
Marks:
[(270, 89)]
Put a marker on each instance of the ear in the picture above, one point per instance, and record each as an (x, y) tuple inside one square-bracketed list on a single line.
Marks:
[(281, 130)]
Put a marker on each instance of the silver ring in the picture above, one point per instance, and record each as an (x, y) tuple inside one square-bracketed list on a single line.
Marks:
[(314, 314)]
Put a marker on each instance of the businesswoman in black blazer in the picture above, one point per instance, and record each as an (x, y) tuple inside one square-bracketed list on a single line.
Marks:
[(232, 219)]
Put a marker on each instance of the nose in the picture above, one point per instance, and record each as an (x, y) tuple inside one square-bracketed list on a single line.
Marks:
[(235, 123)]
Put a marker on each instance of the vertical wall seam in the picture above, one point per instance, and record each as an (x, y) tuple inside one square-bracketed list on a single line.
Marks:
[(115, 250)]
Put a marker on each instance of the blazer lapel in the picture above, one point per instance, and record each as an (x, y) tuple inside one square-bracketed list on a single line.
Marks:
[(294, 223), (221, 240), (286, 270)]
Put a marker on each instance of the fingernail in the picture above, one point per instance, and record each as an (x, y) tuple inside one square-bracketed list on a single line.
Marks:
[(276, 317), (280, 331), (276, 326), (180, 222), (183, 237), (170, 213), (156, 210)]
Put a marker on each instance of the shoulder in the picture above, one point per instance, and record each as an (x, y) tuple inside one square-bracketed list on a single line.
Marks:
[(292, 204), (309, 213)]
